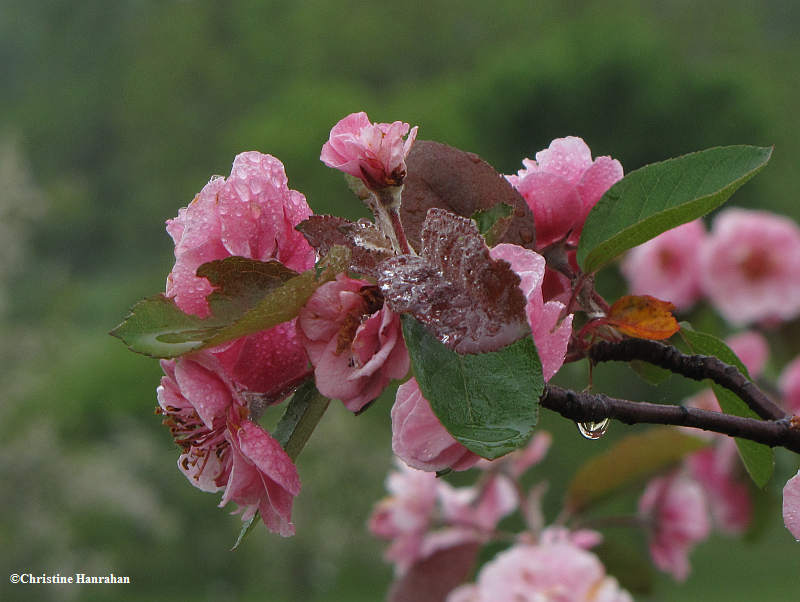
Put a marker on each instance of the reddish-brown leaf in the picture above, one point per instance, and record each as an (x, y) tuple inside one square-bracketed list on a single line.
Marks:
[(643, 317), (441, 176), (471, 302), (431, 579), (367, 244)]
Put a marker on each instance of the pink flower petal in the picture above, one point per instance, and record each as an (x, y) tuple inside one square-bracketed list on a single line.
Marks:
[(791, 505)]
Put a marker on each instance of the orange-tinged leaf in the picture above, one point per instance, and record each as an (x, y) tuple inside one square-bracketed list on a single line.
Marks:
[(643, 317)]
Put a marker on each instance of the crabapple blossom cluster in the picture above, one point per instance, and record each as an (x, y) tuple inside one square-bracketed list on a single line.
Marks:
[(425, 517), (746, 266), (435, 285)]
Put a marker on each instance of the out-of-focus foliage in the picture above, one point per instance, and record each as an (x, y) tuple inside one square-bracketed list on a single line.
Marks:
[(114, 114)]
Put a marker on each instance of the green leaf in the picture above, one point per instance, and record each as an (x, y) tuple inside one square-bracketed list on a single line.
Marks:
[(631, 459), (300, 418), (488, 401), (661, 196), (248, 527), (250, 296), (650, 373), (493, 222), (759, 459)]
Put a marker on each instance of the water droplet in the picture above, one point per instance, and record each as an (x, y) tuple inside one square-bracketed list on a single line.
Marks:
[(594, 430)]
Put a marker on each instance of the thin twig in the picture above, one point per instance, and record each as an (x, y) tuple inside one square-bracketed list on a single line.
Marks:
[(696, 367), (588, 407)]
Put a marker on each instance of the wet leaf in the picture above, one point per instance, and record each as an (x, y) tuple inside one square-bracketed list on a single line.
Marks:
[(643, 317), (368, 245), (470, 301), (250, 296), (758, 459), (489, 402), (493, 222), (661, 196), (442, 176), (650, 373)]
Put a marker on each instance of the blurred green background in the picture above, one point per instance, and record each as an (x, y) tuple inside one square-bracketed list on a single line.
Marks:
[(113, 114)]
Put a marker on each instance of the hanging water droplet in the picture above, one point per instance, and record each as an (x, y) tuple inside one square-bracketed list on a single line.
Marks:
[(594, 430)]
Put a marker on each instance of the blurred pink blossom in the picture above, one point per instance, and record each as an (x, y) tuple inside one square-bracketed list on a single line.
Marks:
[(666, 267), (752, 348), (562, 185), (582, 538), (675, 509), (718, 470), (250, 214), (557, 571), (355, 346), (791, 505), (478, 508), (789, 384), (222, 448), (406, 515), (374, 152), (750, 264), (425, 515), (518, 462)]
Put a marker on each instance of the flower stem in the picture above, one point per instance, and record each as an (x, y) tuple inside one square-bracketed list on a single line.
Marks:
[(301, 418)]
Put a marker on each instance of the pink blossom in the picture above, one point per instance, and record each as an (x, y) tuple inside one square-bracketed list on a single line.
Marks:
[(557, 571), (666, 267), (518, 462), (406, 517), (222, 448), (551, 338), (562, 185), (262, 476), (582, 538), (251, 214), (752, 348), (424, 515), (419, 439), (478, 509), (789, 384), (355, 346), (195, 401), (750, 264), (374, 152), (717, 470), (676, 510), (791, 505)]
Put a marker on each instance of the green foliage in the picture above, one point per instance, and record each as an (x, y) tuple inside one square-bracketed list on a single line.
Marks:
[(488, 401), (759, 459), (661, 196), (630, 460), (126, 109), (251, 296), (493, 222)]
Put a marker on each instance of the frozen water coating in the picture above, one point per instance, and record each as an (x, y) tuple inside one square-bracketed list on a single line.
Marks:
[(468, 299)]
